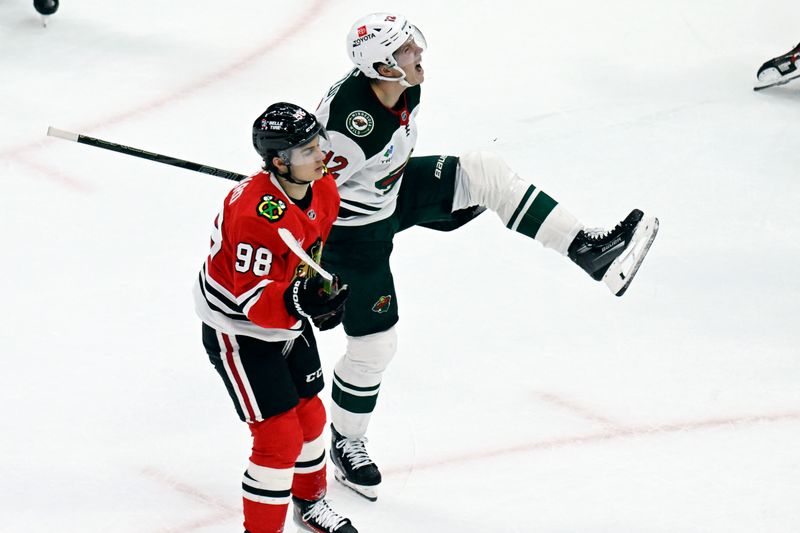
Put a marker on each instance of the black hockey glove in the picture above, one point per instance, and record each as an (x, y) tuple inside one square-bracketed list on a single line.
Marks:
[(306, 298)]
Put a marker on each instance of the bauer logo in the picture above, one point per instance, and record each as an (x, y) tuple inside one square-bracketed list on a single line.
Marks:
[(271, 208), (391, 18), (359, 123), (362, 31), (439, 167)]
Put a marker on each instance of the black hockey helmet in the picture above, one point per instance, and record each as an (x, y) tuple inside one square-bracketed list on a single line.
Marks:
[(281, 127)]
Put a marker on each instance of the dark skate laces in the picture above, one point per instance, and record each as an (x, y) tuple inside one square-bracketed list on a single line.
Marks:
[(355, 452), (322, 515)]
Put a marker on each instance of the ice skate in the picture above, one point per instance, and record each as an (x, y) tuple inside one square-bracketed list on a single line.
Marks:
[(353, 467), (318, 517), (615, 255), (779, 70)]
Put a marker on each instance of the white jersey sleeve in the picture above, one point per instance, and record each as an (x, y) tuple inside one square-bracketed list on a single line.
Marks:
[(370, 147)]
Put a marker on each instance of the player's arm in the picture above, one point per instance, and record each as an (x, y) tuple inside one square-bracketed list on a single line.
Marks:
[(263, 271), (278, 299), (344, 157)]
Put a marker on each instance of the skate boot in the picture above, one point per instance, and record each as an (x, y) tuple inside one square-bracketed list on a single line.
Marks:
[(615, 255), (318, 517), (779, 70), (353, 467)]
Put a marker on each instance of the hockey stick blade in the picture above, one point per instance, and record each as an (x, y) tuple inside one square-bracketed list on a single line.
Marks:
[(295, 247)]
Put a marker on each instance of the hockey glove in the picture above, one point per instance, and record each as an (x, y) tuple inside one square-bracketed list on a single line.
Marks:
[(308, 298)]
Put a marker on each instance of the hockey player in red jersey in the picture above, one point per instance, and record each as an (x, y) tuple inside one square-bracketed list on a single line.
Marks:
[(256, 299)]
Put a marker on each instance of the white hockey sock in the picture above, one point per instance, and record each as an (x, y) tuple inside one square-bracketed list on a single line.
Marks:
[(357, 380), (485, 179)]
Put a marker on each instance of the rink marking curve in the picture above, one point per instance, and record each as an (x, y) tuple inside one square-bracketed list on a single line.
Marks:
[(610, 434), (17, 153)]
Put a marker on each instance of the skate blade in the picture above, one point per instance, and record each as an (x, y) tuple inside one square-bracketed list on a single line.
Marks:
[(621, 272), (775, 83), (305, 528), (369, 493)]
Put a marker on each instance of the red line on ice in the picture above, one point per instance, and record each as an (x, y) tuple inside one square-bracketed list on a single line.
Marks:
[(599, 437), (580, 410), (312, 12)]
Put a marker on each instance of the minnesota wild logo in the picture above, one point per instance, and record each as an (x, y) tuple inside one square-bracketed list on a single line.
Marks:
[(271, 208), (359, 123), (383, 304)]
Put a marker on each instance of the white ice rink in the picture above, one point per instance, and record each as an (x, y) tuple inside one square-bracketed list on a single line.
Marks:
[(524, 398)]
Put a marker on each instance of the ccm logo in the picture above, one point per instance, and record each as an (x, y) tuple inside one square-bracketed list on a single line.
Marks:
[(314, 375)]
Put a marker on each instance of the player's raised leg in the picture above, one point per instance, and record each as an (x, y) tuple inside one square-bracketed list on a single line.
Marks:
[(612, 256)]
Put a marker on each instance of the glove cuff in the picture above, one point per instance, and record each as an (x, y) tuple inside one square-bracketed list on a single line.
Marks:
[(291, 298)]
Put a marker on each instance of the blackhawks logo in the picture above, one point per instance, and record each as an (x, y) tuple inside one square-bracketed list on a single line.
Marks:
[(314, 252), (383, 304), (271, 208)]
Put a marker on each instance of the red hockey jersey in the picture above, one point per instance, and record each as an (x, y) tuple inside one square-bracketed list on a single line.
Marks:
[(240, 287)]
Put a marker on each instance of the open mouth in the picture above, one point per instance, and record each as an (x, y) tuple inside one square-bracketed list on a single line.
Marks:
[(418, 68)]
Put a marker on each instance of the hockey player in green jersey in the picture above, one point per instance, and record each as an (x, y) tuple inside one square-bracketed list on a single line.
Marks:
[(370, 119)]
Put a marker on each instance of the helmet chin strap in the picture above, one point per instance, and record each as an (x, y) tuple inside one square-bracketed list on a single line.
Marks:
[(288, 177), (401, 80)]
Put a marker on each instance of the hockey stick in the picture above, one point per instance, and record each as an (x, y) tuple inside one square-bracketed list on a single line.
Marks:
[(158, 158), (285, 234), (295, 247)]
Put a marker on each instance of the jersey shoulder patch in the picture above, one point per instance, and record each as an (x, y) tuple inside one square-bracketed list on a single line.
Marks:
[(357, 113)]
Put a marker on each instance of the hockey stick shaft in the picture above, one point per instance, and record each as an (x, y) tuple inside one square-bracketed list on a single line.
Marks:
[(136, 152), (295, 247)]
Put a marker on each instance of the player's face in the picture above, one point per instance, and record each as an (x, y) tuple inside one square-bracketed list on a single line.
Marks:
[(409, 58), (307, 160)]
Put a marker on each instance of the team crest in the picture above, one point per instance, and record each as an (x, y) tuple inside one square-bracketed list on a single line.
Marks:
[(360, 123), (383, 304), (271, 208), (314, 252)]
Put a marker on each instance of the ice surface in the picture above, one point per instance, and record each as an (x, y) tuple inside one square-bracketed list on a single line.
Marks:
[(524, 397)]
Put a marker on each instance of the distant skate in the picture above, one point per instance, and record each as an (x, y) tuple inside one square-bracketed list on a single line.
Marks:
[(779, 70)]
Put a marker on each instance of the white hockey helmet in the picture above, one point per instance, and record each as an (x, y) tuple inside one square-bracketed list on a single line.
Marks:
[(375, 37)]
